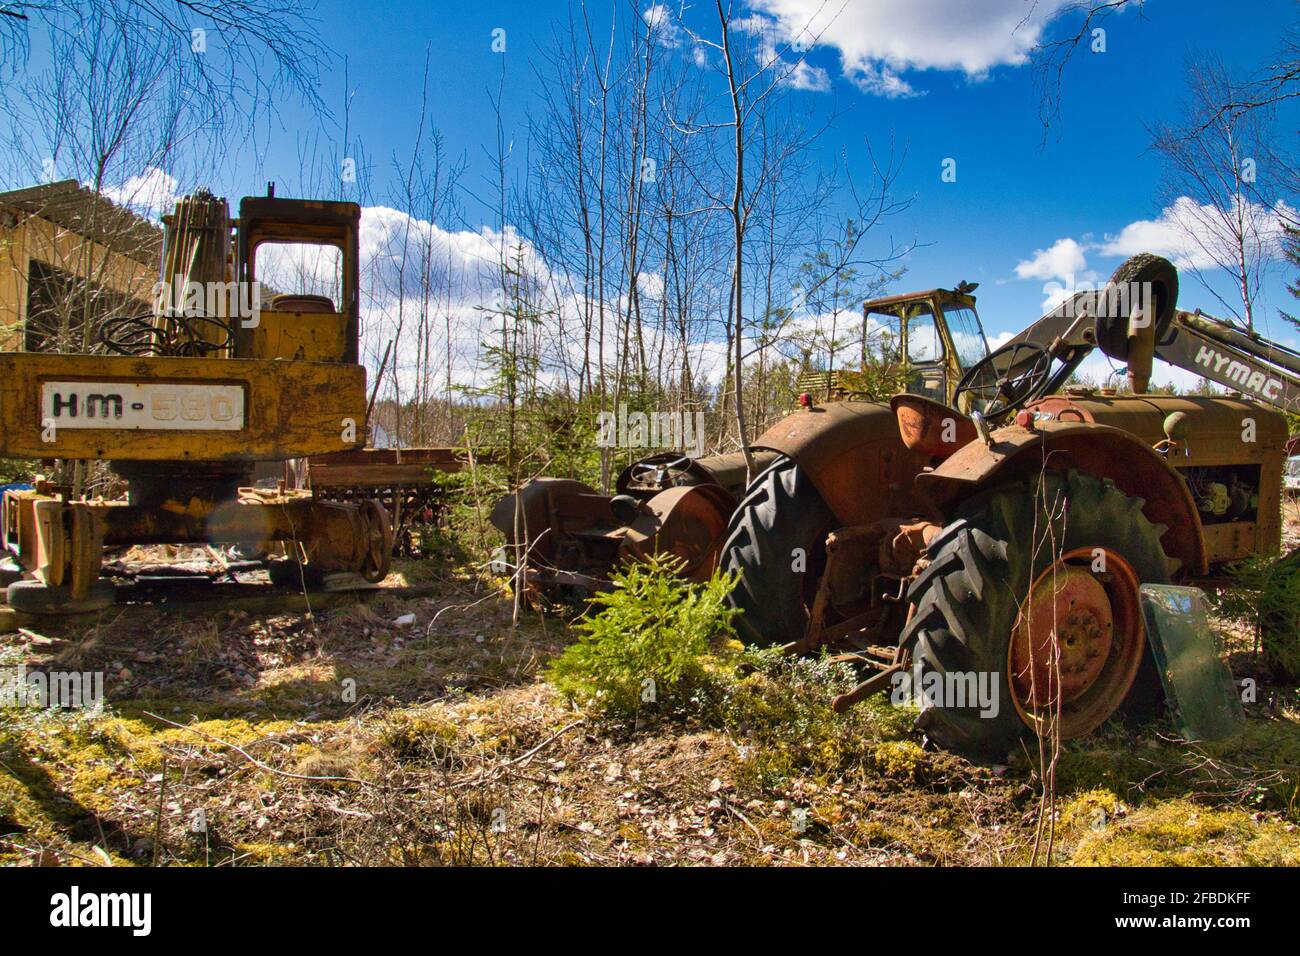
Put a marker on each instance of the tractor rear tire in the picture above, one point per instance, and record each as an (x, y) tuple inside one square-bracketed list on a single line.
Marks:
[(36, 597), (966, 603), (780, 525)]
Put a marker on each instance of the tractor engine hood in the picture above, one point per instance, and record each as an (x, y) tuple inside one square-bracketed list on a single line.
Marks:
[(1212, 431)]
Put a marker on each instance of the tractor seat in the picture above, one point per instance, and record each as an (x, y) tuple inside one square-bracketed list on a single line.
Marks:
[(929, 427), (295, 302)]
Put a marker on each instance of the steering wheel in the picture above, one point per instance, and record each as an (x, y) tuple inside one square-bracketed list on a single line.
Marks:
[(1026, 371), (640, 468)]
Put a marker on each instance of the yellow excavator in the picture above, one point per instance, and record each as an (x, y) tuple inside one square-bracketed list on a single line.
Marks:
[(185, 401)]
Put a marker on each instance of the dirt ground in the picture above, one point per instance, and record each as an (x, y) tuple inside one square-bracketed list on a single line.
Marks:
[(422, 731)]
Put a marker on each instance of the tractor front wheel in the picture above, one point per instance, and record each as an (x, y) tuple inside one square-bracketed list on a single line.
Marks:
[(1027, 617)]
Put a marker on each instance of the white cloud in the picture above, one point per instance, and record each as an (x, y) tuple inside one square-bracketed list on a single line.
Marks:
[(880, 80), (1002, 338), (1190, 235), (879, 40), (151, 194), (774, 51), (663, 25), (1062, 260), (463, 281), (667, 30), (1062, 268), (469, 258), (1195, 236)]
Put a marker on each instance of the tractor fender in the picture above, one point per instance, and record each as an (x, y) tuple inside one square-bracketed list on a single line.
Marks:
[(1135, 467), (533, 513), (688, 522), (853, 455)]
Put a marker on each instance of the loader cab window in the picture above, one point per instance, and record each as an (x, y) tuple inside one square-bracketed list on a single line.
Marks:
[(920, 349), (882, 339), (967, 335), (299, 276), (925, 354), (924, 346)]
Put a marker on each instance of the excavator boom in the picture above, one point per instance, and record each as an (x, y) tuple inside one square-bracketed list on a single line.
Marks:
[(1257, 367)]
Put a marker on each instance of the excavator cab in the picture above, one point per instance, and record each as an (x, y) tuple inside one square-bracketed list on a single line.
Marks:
[(302, 254), (938, 337), (187, 402)]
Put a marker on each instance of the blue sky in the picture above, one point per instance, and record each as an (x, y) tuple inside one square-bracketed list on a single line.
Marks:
[(969, 96), (1014, 195)]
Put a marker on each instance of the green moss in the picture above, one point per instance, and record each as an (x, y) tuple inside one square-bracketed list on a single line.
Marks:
[(1091, 808), (900, 759), (1259, 768), (782, 713), (266, 854), (1182, 833), (422, 737)]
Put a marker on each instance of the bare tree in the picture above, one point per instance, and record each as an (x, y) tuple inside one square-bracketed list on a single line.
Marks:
[(1055, 51), (755, 71), (1211, 174), (233, 61)]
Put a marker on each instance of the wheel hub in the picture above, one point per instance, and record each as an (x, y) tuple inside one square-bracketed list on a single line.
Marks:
[(1077, 642), (1073, 613)]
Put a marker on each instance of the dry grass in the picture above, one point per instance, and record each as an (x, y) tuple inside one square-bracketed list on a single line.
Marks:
[(344, 737)]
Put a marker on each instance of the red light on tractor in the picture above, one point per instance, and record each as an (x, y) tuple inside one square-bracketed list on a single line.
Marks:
[(805, 400)]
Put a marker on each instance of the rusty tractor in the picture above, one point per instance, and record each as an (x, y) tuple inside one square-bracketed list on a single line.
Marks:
[(999, 525)]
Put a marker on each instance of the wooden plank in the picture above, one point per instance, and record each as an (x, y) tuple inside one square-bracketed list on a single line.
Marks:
[(372, 476)]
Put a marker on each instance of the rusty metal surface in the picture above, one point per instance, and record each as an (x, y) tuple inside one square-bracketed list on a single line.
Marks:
[(728, 471), (1108, 452), (566, 534), (61, 542), (1077, 644), (1062, 641), (943, 295), (1215, 434), (380, 468), (929, 427), (658, 472), (1216, 423), (852, 453), (535, 516), (690, 523), (403, 480), (859, 598)]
